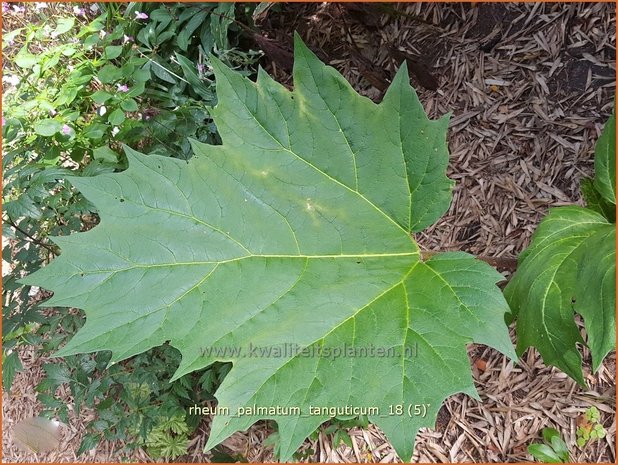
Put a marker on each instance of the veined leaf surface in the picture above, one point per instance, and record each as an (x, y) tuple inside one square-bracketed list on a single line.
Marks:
[(570, 266), (292, 237)]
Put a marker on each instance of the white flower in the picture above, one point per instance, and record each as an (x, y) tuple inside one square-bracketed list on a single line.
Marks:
[(94, 7), (102, 110), (115, 131)]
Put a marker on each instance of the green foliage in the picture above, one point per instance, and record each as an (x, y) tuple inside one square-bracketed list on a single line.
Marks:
[(10, 365), (176, 39), (592, 414), (605, 162), (336, 427), (570, 266), (85, 94), (339, 429), (77, 86), (295, 232), (169, 438), (600, 192), (590, 428), (554, 450), (584, 435), (178, 26), (132, 400)]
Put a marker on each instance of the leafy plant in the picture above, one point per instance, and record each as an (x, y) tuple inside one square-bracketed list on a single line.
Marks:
[(339, 429), (174, 40), (554, 450), (42, 107), (77, 87), (293, 234), (590, 428), (130, 401), (169, 439), (336, 426), (570, 267)]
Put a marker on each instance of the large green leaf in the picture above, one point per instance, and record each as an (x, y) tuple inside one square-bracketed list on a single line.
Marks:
[(570, 266), (287, 251)]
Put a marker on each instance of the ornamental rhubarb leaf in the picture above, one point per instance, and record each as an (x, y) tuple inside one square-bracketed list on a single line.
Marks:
[(287, 251), (570, 266)]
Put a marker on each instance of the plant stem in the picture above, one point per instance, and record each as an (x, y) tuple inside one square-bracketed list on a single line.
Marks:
[(31, 238)]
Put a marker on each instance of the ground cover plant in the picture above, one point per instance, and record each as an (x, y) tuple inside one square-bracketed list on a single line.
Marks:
[(553, 451), (158, 422)]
